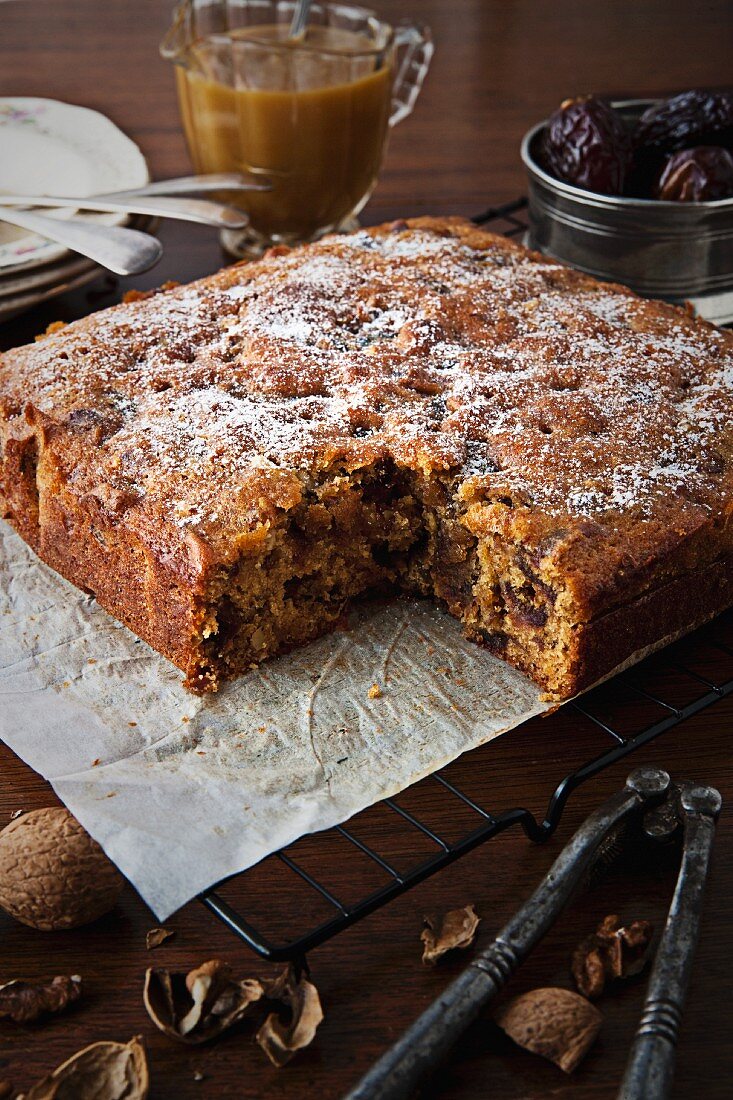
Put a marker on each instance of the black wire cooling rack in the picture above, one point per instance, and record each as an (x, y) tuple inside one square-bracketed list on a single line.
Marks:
[(346, 873)]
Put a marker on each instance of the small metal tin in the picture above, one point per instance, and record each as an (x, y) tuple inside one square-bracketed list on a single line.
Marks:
[(679, 251)]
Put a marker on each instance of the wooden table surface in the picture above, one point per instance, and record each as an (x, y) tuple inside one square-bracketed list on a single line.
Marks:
[(499, 66)]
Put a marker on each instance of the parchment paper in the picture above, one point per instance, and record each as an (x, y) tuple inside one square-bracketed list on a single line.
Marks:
[(181, 791)]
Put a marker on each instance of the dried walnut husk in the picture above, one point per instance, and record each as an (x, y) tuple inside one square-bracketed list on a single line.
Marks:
[(198, 1006), (23, 1001), (554, 1023), (613, 951), (456, 929), (156, 936), (280, 1041), (102, 1071)]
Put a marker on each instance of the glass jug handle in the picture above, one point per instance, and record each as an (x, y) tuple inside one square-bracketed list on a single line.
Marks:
[(180, 34), (411, 67)]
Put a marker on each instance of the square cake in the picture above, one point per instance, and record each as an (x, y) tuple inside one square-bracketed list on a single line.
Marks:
[(423, 406)]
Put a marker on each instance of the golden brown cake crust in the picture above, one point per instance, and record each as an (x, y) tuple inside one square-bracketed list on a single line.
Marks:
[(580, 433)]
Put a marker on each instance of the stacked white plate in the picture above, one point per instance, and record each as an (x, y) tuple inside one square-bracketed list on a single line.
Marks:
[(53, 148)]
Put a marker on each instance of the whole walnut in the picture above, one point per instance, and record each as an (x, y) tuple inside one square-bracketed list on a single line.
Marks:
[(696, 175), (52, 874), (586, 144)]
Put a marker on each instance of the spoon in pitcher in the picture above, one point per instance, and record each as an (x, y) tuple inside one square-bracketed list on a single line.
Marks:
[(300, 18)]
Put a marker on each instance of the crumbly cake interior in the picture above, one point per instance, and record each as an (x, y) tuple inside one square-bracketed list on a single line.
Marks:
[(422, 406), (375, 528), (350, 533)]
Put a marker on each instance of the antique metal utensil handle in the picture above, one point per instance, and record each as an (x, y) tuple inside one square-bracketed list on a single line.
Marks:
[(124, 251), (187, 185), (200, 211), (650, 1066), (429, 1039)]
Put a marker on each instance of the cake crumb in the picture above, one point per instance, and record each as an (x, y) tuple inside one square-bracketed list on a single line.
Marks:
[(375, 692), (55, 326)]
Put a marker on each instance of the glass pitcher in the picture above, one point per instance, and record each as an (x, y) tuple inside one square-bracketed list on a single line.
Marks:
[(309, 114)]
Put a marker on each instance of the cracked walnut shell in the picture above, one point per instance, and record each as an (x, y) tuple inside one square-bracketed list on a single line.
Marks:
[(197, 1006), (456, 929), (102, 1071), (52, 874), (282, 1039)]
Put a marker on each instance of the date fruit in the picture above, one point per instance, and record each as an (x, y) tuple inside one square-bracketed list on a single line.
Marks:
[(691, 118), (696, 175), (586, 144)]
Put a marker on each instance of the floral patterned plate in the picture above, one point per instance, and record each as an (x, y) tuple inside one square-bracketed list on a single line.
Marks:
[(47, 147)]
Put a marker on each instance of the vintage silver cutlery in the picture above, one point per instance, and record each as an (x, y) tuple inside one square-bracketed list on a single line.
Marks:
[(201, 211), (187, 185), (124, 251)]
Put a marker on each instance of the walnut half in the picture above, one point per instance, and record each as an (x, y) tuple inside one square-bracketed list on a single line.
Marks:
[(102, 1071), (555, 1023)]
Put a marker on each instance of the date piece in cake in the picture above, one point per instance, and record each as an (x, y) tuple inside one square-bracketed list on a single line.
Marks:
[(423, 405)]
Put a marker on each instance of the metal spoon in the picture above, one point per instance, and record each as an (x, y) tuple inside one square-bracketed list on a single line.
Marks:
[(300, 18), (201, 211), (186, 185), (124, 251)]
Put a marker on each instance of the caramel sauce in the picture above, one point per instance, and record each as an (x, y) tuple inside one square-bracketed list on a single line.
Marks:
[(311, 115)]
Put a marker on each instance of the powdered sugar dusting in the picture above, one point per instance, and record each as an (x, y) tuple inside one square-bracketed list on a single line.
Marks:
[(425, 344)]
